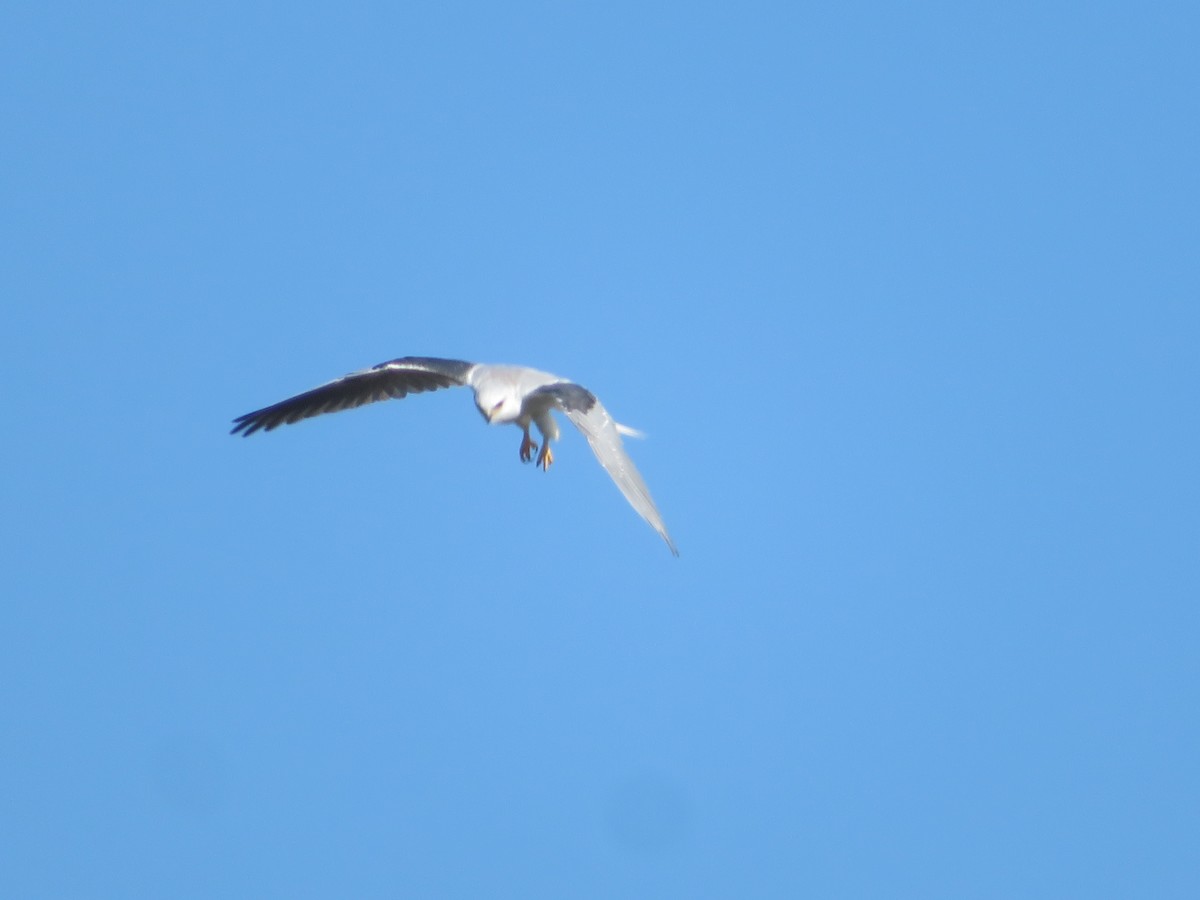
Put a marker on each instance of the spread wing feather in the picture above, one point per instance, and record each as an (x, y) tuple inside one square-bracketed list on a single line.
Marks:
[(395, 379), (593, 420)]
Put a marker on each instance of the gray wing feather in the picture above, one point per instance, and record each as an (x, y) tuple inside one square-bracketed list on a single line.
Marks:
[(397, 378), (593, 420)]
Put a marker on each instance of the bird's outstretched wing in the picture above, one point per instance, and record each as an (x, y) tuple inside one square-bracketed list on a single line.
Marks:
[(590, 417), (398, 378)]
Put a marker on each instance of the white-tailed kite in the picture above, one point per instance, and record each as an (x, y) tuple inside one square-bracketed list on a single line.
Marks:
[(502, 393)]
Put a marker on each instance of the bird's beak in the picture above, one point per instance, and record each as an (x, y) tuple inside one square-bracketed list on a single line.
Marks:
[(490, 414)]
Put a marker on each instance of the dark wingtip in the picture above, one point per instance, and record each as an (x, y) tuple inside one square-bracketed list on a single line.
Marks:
[(245, 425)]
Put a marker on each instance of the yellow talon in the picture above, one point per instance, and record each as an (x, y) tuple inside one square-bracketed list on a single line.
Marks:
[(545, 458), (527, 448)]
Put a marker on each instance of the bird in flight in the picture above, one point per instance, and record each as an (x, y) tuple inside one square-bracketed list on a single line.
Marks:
[(503, 394)]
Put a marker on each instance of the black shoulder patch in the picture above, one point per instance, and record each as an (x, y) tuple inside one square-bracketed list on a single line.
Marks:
[(572, 397)]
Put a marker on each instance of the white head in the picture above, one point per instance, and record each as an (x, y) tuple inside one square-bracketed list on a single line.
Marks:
[(499, 403)]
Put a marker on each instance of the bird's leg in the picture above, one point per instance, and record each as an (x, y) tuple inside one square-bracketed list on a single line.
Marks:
[(545, 458), (527, 447)]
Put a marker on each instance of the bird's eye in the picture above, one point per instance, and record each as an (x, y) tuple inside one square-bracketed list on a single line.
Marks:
[(497, 406)]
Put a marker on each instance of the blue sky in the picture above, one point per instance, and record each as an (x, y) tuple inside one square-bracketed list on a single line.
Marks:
[(907, 299)]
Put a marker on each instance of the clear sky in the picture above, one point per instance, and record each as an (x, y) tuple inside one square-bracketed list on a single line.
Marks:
[(907, 299)]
